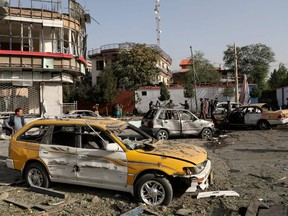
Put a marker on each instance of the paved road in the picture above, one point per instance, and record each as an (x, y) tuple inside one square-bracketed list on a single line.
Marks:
[(4, 149)]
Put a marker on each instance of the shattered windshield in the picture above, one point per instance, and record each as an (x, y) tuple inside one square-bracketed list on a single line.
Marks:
[(133, 138)]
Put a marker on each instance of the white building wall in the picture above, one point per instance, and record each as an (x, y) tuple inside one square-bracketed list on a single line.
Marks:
[(51, 98), (282, 94), (144, 96)]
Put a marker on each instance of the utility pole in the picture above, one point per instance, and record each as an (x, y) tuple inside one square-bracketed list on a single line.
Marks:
[(157, 16), (236, 74), (194, 76)]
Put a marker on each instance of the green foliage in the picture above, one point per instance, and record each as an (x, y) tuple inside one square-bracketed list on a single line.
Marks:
[(188, 85), (228, 91), (253, 60), (136, 67), (279, 77), (79, 91), (105, 90), (164, 93), (256, 92), (206, 72), (269, 97)]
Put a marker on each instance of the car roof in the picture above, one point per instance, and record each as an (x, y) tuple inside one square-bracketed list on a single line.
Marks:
[(104, 123), (71, 111)]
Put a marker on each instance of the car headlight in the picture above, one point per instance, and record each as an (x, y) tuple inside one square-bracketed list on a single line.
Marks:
[(196, 169)]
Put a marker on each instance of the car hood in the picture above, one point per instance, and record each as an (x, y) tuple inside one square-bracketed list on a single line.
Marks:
[(181, 151)]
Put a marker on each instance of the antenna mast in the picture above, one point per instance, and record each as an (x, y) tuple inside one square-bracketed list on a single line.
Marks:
[(157, 16)]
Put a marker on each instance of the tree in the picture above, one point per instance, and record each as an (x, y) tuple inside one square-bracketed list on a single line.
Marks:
[(188, 86), (106, 88), (206, 72), (136, 67), (228, 91), (253, 60), (164, 93), (279, 77)]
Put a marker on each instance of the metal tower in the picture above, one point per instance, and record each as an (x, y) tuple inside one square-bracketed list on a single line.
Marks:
[(157, 16)]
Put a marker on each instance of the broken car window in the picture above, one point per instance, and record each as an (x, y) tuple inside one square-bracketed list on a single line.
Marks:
[(34, 134)]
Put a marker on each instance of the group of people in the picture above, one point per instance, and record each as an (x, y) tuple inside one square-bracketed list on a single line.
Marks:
[(170, 104), (207, 107)]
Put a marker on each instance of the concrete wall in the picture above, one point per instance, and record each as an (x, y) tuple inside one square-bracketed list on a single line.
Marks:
[(144, 95), (51, 99), (282, 94)]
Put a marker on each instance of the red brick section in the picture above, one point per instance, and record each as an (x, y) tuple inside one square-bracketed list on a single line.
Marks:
[(126, 98)]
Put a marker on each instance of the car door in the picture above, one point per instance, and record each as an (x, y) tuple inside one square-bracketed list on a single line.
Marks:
[(252, 115), (171, 121), (97, 166), (58, 150), (189, 123)]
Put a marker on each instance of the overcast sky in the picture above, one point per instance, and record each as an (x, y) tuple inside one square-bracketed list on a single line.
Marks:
[(208, 26)]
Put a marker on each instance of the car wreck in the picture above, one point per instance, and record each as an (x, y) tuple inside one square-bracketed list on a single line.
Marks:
[(259, 115), (108, 154)]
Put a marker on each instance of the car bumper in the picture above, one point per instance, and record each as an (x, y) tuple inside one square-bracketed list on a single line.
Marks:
[(279, 121), (201, 180)]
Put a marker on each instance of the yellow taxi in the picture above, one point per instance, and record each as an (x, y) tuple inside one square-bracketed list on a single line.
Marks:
[(108, 154)]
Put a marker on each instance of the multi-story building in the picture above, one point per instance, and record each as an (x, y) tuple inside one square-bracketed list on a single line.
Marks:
[(42, 47), (106, 54)]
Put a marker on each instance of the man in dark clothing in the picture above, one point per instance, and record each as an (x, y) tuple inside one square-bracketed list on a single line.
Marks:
[(202, 115), (185, 105), (14, 122)]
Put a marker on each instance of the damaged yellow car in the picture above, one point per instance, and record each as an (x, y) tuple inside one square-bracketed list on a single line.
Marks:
[(106, 154)]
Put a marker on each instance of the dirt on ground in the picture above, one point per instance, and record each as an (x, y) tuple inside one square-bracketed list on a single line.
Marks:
[(252, 163)]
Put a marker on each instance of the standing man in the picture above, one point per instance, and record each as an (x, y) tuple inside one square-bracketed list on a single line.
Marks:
[(14, 122), (151, 105), (201, 109), (170, 104), (185, 105)]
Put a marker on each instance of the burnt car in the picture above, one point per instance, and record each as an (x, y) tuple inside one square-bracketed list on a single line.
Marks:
[(108, 154), (258, 115), (162, 123)]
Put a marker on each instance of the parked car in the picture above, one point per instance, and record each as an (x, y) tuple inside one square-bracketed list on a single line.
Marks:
[(112, 155), (221, 107), (162, 123), (256, 115), (76, 113)]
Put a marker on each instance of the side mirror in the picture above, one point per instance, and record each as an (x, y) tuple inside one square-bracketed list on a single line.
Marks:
[(113, 147)]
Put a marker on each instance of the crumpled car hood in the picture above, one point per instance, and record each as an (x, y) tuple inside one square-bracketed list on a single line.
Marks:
[(182, 151)]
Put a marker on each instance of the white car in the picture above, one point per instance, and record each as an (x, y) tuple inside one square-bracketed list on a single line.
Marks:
[(221, 107), (82, 113), (163, 123)]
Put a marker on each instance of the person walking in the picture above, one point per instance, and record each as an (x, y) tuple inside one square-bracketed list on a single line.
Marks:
[(14, 122), (170, 104), (185, 105), (201, 109), (151, 105), (229, 107), (206, 108), (212, 107)]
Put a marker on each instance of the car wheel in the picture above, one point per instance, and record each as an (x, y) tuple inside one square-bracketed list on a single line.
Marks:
[(36, 175), (162, 135), (154, 190), (263, 125), (206, 133)]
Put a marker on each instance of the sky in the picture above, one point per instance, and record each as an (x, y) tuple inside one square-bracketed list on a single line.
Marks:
[(208, 26)]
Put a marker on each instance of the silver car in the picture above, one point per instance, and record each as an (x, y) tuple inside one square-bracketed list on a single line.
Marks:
[(162, 123)]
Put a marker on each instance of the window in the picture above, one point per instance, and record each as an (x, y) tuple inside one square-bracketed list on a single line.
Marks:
[(144, 93), (99, 65), (34, 134), (94, 138), (65, 135)]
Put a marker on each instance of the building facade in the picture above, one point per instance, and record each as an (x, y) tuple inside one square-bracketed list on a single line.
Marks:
[(42, 47), (106, 54)]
